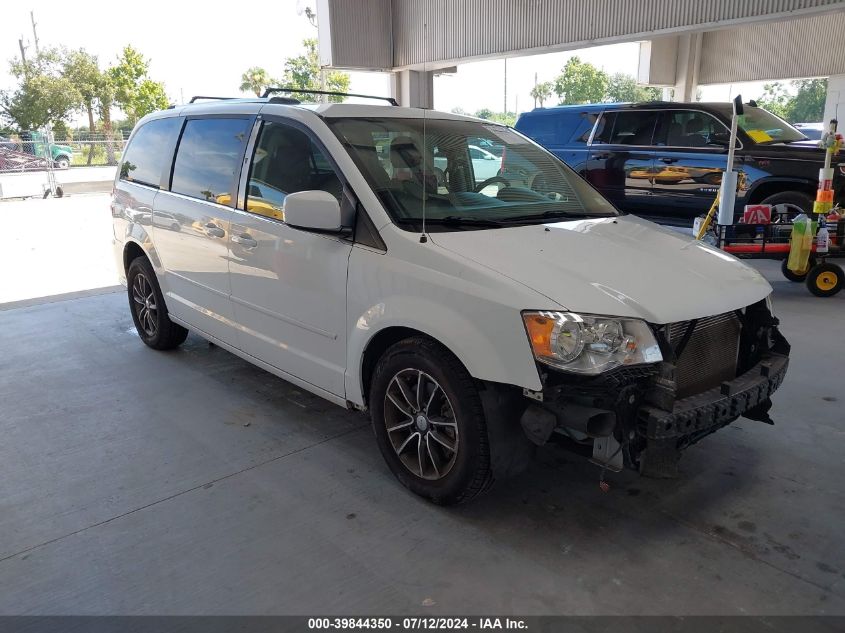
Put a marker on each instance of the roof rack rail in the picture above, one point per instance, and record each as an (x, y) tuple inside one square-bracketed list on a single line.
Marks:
[(198, 97), (284, 100), (331, 93)]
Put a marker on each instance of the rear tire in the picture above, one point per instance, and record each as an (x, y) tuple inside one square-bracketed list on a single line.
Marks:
[(437, 445), (149, 312)]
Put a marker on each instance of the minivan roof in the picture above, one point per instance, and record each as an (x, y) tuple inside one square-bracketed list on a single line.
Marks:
[(326, 110)]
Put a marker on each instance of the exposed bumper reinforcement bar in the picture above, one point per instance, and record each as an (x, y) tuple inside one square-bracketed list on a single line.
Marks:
[(717, 407)]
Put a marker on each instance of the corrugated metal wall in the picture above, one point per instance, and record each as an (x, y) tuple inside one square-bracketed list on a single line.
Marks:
[(360, 33), (461, 29), (767, 51)]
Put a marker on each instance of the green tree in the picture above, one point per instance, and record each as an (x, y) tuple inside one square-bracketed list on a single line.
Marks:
[(255, 80), (106, 100), (542, 91), (775, 99), (303, 71), (622, 88), (506, 118), (83, 71), (581, 82), (134, 92), (43, 97), (808, 104), (484, 113)]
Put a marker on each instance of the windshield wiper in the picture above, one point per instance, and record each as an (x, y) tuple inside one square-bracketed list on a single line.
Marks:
[(455, 220), (547, 215)]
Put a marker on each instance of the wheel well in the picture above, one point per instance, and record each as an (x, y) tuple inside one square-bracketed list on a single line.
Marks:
[(378, 345), (130, 252), (766, 189)]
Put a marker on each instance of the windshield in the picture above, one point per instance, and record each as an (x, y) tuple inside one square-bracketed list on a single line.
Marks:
[(764, 127), (469, 174)]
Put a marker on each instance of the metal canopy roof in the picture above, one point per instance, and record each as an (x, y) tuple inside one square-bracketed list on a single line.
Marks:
[(764, 38)]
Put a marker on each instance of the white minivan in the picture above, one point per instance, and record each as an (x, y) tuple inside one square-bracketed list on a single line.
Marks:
[(474, 319)]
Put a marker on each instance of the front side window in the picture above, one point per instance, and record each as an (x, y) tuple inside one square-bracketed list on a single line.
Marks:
[(691, 128), (209, 157), (426, 168), (286, 160), (145, 157)]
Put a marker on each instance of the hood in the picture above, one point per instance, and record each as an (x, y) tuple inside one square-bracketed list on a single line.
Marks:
[(622, 266), (801, 150)]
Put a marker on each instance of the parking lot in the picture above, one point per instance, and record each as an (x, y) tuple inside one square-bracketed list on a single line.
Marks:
[(188, 482)]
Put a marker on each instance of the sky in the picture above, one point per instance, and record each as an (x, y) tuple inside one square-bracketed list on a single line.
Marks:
[(188, 50)]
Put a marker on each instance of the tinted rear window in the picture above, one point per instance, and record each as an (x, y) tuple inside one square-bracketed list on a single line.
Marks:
[(144, 159), (557, 128), (628, 127), (209, 158)]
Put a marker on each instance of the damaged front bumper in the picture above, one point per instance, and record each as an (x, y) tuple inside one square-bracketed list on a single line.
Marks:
[(633, 417), (708, 411)]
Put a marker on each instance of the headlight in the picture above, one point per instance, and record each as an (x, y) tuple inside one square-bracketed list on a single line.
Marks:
[(586, 344)]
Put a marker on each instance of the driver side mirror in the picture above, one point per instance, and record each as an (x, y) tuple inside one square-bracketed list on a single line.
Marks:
[(312, 210), (721, 139)]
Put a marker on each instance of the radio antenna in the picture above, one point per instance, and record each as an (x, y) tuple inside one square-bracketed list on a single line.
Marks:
[(424, 237)]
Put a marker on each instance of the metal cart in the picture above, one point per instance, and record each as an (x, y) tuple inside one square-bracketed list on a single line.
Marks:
[(772, 241)]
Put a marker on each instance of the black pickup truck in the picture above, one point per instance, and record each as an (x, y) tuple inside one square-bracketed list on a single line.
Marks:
[(664, 161)]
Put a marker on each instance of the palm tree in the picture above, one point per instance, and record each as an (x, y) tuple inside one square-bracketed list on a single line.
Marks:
[(255, 80), (542, 91)]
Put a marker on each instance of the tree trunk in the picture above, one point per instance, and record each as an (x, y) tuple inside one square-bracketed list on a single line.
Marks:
[(112, 159), (90, 108)]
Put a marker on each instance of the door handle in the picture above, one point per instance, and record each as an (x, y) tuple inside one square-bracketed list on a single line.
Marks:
[(600, 156), (244, 240), (212, 230), (669, 161)]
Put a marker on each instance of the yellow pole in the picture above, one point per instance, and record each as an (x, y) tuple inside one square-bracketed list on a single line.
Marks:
[(707, 220)]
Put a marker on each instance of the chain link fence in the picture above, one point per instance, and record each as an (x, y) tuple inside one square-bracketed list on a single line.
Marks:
[(37, 150)]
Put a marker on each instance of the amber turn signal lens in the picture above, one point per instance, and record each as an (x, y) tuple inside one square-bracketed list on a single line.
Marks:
[(539, 333)]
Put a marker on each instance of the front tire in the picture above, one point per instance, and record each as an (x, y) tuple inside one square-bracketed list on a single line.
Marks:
[(429, 422), (149, 311), (63, 163), (795, 202)]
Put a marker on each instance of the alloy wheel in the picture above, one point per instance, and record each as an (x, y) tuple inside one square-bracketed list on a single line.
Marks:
[(421, 424), (145, 305)]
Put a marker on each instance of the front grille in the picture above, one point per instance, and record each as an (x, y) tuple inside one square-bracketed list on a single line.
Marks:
[(709, 356)]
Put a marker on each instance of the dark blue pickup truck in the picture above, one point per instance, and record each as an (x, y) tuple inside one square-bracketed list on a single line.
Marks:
[(665, 160)]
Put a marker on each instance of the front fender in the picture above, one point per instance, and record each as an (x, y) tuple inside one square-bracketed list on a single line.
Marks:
[(492, 346), (787, 184)]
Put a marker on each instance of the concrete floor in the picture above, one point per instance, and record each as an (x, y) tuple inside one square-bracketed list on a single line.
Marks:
[(140, 482)]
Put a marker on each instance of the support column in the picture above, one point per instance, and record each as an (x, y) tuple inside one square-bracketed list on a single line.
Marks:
[(413, 88), (687, 66), (834, 105), (671, 62)]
